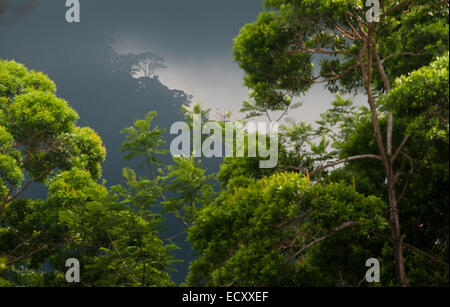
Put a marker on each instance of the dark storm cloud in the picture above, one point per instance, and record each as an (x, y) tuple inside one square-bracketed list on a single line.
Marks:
[(194, 27)]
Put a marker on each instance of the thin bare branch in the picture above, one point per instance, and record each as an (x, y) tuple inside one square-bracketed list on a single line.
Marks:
[(425, 254), (333, 232), (408, 180), (400, 148), (399, 54), (368, 156), (133, 276)]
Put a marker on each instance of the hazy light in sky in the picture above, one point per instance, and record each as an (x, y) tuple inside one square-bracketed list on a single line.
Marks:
[(217, 83)]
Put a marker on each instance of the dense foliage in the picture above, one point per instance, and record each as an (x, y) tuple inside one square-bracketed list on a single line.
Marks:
[(362, 182)]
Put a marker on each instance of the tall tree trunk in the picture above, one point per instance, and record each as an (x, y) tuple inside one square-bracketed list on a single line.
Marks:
[(397, 237), (385, 155)]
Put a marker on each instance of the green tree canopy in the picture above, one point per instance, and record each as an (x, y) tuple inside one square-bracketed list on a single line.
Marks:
[(278, 51)]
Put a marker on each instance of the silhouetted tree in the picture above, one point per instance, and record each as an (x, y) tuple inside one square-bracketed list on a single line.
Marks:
[(147, 64), (140, 65)]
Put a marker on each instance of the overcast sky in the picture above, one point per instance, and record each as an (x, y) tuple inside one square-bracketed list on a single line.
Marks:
[(194, 37)]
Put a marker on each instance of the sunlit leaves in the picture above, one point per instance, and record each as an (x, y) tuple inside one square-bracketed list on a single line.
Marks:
[(141, 141), (242, 235), (191, 185), (422, 99), (38, 130)]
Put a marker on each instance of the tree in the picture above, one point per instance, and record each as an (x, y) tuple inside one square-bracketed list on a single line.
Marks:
[(146, 67), (38, 134), (113, 233), (142, 65), (423, 168), (193, 189), (228, 257), (39, 141), (253, 234), (116, 233), (276, 53), (144, 143)]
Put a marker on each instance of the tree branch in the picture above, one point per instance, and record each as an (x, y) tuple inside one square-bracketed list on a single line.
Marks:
[(408, 180), (400, 148), (333, 232), (367, 156), (388, 12), (400, 53), (17, 194), (133, 276), (425, 254)]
